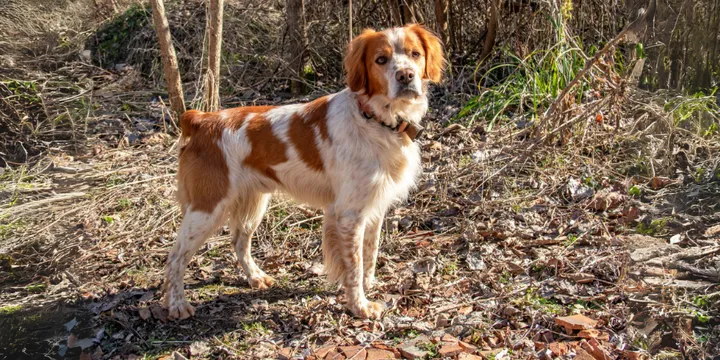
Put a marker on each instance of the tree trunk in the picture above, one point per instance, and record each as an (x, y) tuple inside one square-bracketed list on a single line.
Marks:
[(170, 64), (295, 13), (492, 26), (441, 15), (408, 11), (212, 79), (452, 26), (394, 9), (350, 18)]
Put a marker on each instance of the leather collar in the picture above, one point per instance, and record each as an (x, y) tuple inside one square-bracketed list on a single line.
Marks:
[(403, 126)]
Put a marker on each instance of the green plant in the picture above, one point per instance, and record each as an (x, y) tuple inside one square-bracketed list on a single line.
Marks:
[(635, 191), (450, 268), (9, 309), (256, 328), (24, 90), (526, 86), (699, 111), (431, 348), (654, 227), (124, 204), (36, 288), (571, 240)]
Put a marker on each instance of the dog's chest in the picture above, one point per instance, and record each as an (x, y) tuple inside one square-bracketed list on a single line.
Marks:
[(400, 171)]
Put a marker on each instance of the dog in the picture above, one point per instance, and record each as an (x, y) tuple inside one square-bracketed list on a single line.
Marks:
[(350, 153)]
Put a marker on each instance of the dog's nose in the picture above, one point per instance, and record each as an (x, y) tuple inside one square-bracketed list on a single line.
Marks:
[(405, 76)]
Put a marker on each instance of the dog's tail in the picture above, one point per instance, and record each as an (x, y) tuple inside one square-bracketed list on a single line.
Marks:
[(189, 122)]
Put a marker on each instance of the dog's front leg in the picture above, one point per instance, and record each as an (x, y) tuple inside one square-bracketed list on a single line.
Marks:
[(373, 226), (350, 228)]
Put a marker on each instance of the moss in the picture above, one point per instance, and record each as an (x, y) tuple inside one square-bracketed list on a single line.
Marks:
[(10, 309)]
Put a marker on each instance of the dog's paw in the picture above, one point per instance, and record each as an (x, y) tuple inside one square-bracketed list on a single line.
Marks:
[(180, 310), (261, 282), (369, 310)]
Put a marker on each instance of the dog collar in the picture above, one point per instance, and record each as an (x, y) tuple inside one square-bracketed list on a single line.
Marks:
[(403, 126)]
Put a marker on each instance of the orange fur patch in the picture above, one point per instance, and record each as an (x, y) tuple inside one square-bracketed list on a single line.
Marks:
[(303, 137), (316, 113), (203, 179), (363, 73), (433, 50), (267, 149)]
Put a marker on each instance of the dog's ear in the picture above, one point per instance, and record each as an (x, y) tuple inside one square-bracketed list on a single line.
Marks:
[(434, 58), (357, 71)]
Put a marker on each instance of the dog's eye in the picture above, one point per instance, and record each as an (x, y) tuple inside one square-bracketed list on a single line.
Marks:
[(415, 54), (381, 60)]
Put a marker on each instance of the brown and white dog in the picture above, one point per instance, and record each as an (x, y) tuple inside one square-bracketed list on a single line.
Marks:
[(350, 153)]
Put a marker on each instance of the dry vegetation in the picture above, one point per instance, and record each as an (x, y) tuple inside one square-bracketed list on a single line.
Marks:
[(529, 210)]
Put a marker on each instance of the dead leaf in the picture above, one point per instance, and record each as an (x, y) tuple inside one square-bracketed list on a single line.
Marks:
[(72, 339), (659, 182), (604, 201), (144, 313), (159, 313), (676, 239), (575, 322), (581, 278)]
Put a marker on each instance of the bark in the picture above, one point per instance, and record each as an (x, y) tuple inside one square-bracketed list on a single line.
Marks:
[(295, 13), (394, 10), (212, 80), (441, 15), (492, 27), (167, 51)]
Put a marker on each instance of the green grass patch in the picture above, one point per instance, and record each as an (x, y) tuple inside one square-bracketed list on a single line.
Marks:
[(10, 309)]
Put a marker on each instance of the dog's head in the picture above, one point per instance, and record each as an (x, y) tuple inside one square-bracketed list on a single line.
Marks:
[(397, 63)]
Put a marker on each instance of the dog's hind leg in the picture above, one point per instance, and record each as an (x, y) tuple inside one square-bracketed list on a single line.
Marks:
[(245, 218), (196, 227)]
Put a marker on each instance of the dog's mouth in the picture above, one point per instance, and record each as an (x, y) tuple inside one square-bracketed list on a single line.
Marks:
[(409, 92)]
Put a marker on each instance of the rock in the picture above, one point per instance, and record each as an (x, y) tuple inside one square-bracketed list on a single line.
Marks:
[(412, 352), (354, 352), (379, 354), (450, 350), (575, 322)]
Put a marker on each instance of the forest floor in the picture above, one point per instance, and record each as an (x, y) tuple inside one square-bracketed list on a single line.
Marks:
[(509, 248)]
